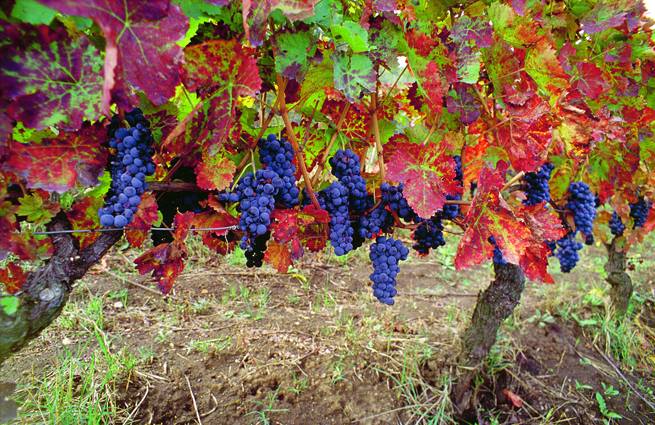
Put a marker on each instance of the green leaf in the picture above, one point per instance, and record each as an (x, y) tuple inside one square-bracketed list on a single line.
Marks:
[(32, 12), (294, 49), (198, 8), (353, 34), (32, 207), (9, 304), (353, 75)]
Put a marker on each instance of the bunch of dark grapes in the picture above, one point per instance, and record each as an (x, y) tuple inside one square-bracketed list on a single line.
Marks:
[(371, 224), (582, 203), (639, 211), (345, 167), (428, 235), (334, 199), (277, 155), (393, 197), (536, 185), (498, 254), (130, 165), (567, 252), (385, 255), (256, 196), (451, 211), (616, 225)]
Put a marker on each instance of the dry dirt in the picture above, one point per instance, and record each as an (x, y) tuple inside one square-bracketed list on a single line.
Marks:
[(314, 347)]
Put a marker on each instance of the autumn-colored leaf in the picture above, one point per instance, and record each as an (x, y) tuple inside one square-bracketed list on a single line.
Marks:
[(139, 229), (590, 82), (255, 14), (61, 163), (215, 171), (145, 33), (428, 175), (52, 79), (220, 240), (489, 216), (12, 277), (278, 255), (165, 262), (513, 398), (84, 215), (542, 65), (220, 71)]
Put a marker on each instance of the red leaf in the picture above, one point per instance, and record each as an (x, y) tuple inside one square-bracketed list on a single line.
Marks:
[(513, 398), (279, 256), (84, 215), (145, 33), (215, 171), (488, 216), (255, 14), (430, 82), (139, 229), (165, 261), (295, 228), (61, 163), (527, 134), (220, 71), (218, 240), (182, 223), (591, 82), (428, 176), (12, 277), (52, 79)]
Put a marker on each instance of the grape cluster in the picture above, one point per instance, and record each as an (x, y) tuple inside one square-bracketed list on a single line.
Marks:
[(256, 196), (277, 155), (582, 203), (451, 211), (129, 168), (639, 211), (334, 199), (428, 235), (378, 220), (536, 185), (345, 167), (498, 254), (567, 252), (385, 254), (393, 197), (616, 225)]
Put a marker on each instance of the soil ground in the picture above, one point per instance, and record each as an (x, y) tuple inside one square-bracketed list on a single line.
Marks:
[(239, 346)]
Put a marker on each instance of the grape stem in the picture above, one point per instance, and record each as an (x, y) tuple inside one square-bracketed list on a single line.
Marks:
[(513, 180), (375, 129), (333, 138), (294, 142)]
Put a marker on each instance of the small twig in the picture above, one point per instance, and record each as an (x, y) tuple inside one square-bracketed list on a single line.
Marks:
[(375, 129), (395, 83), (294, 142), (513, 180), (204, 415), (193, 398), (138, 405), (333, 138), (131, 282), (622, 376)]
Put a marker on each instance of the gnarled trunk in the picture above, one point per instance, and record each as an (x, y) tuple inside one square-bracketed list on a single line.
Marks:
[(619, 280), (46, 291), (494, 305)]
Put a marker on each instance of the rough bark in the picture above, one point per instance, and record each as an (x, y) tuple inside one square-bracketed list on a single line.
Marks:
[(494, 305), (619, 280), (47, 289)]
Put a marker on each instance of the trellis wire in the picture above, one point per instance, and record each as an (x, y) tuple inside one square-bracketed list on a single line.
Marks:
[(120, 229)]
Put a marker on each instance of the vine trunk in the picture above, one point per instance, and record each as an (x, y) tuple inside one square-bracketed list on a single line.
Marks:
[(46, 291)]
